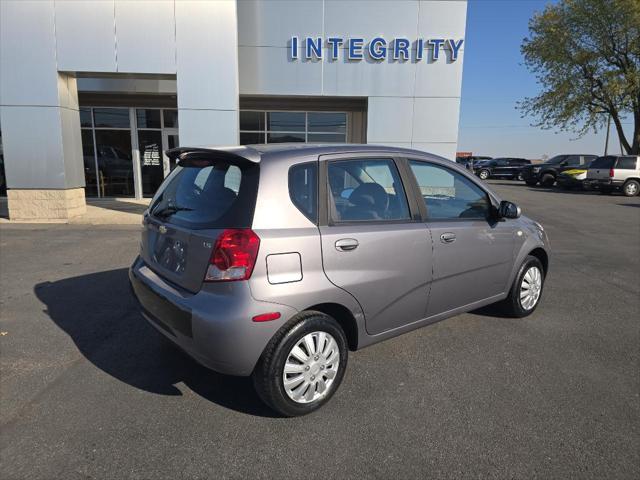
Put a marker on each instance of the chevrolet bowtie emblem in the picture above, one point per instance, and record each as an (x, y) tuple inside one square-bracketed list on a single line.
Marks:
[(162, 229)]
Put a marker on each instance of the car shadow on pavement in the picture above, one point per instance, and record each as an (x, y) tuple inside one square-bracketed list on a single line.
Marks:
[(101, 316)]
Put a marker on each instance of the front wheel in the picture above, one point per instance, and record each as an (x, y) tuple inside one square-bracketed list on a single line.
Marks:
[(526, 290), (631, 188), (302, 367), (547, 180), (484, 174)]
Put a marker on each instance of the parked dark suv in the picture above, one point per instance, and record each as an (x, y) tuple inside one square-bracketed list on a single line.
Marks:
[(510, 168), (546, 173), (469, 162)]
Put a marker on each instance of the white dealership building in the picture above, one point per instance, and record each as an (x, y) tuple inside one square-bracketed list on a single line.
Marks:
[(93, 92)]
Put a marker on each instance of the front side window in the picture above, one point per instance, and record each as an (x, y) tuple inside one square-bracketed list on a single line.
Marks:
[(449, 195), (573, 161), (366, 190), (303, 189), (557, 160)]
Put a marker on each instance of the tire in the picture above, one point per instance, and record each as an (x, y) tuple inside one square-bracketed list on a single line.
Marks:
[(547, 180), (531, 183), (519, 177), (269, 375), (514, 305), (631, 188), (484, 174)]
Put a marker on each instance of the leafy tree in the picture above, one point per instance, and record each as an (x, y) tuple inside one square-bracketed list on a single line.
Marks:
[(586, 57)]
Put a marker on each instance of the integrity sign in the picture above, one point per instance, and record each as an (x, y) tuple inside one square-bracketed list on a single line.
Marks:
[(378, 48)]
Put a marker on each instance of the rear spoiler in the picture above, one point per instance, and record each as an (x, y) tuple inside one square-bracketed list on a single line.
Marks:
[(234, 155)]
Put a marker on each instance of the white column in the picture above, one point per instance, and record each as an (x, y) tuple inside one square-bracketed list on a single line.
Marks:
[(39, 114), (207, 65)]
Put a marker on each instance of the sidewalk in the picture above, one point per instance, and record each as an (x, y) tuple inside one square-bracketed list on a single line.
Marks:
[(100, 211)]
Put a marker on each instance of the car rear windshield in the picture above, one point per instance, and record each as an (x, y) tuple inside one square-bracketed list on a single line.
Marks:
[(208, 194), (603, 162)]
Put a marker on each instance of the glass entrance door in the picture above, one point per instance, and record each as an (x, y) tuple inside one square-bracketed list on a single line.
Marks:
[(170, 140), (151, 160)]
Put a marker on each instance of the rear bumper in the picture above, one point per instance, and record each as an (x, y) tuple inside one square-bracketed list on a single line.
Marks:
[(213, 326)]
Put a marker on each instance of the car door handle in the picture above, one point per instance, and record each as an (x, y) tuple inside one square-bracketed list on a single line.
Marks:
[(346, 244), (448, 237)]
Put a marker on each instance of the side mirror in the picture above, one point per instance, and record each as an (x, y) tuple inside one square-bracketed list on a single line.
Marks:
[(509, 210)]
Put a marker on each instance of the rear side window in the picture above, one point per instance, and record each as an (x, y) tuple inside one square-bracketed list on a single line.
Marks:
[(303, 189), (626, 163), (205, 194), (366, 190), (603, 162)]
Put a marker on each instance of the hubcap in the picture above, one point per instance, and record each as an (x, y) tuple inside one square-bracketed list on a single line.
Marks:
[(530, 288), (484, 175), (632, 189), (311, 367)]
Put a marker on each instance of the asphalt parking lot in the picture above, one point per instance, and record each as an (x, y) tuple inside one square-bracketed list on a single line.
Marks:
[(89, 390)]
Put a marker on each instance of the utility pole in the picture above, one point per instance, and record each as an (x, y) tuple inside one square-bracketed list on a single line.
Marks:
[(606, 142)]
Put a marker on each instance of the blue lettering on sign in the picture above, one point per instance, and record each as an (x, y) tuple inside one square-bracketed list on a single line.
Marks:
[(355, 48), (334, 44), (379, 48), (314, 48), (455, 46), (437, 43), (401, 48)]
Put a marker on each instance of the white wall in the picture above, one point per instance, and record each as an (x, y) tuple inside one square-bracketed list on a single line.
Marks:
[(194, 40), (217, 49), (413, 104)]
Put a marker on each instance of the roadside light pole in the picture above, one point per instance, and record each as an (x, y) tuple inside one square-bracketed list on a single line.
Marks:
[(606, 142)]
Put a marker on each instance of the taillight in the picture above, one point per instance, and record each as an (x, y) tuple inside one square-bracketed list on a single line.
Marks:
[(266, 317), (611, 172), (234, 256)]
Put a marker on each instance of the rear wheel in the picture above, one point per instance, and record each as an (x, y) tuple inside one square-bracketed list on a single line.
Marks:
[(484, 174), (631, 188), (547, 180), (526, 290), (302, 366)]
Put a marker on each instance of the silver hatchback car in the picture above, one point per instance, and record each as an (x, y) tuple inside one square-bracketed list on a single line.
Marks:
[(275, 260)]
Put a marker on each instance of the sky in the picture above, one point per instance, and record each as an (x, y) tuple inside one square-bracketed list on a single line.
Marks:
[(494, 79)]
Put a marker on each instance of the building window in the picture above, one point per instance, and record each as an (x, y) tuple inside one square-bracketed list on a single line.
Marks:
[(279, 127), (108, 143)]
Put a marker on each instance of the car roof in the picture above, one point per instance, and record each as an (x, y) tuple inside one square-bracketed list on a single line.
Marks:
[(255, 153)]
